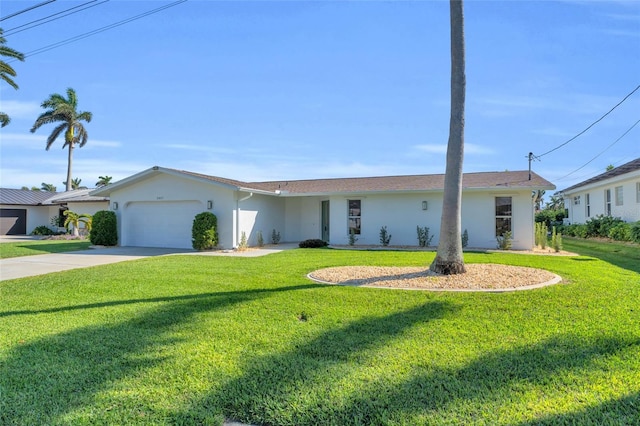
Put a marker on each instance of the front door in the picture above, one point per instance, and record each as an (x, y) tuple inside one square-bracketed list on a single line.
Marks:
[(325, 221)]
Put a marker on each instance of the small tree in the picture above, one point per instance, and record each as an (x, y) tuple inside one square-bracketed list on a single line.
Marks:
[(275, 237), (385, 237), (556, 240), (74, 219), (465, 238), (243, 245), (204, 231), (104, 229), (424, 239), (260, 239)]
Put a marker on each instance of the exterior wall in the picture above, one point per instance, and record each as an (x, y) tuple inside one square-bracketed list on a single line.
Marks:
[(36, 215), (260, 213), (629, 211), (88, 207), (164, 188), (402, 213), (303, 218)]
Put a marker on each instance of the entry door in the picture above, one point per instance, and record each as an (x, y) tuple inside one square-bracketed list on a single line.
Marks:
[(325, 221)]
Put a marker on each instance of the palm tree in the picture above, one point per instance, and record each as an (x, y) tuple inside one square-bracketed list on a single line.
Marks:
[(75, 184), (74, 219), (449, 258), (59, 109), (538, 196), (49, 187), (7, 71), (103, 181), (556, 202)]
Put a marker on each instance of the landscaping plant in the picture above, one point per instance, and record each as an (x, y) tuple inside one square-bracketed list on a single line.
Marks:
[(204, 232), (104, 229), (385, 237)]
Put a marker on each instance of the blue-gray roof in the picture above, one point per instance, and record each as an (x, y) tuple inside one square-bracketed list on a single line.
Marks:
[(37, 198)]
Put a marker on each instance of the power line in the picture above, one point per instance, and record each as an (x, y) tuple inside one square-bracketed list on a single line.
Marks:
[(13, 30), (601, 152), (100, 30), (27, 9), (592, 124)]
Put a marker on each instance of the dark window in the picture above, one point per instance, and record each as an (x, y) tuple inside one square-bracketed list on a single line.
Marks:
[(355, 216), (503, 215)]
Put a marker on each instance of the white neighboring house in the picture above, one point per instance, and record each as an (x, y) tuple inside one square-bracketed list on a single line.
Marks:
[(21, 211), (614, 193), (156, 208)]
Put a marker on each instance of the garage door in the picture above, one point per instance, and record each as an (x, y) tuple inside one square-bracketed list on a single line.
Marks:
[(13, 221), (159, 224)]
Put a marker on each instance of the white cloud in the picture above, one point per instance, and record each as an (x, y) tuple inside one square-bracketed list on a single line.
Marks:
[(19, 109)]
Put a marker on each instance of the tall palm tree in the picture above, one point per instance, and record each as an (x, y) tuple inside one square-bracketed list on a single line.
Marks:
[(59, 109), (76, 183), (103, 181), (449, 258), (7, 71)]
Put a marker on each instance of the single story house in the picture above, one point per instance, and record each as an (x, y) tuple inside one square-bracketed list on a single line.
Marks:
[(21, 211), (156, 208), (613, 193)]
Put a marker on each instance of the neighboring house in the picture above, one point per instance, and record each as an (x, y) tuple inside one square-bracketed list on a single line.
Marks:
[(156, 208), (21, 211), (614, 193)]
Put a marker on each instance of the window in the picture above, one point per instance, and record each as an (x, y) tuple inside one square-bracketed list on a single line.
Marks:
[(587, 202), (619, 199), (503, 215), (607, 202), (576, 200), (354, 216)]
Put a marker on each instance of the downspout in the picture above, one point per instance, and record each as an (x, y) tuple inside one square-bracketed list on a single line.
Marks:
[(238, 201)]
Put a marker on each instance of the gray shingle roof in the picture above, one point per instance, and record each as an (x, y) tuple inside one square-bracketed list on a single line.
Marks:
[(629, 167)]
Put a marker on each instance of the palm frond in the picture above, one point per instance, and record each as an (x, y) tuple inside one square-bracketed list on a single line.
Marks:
[(54, 135), (72, 98), (4, 119), (11, 53), (84, 116)]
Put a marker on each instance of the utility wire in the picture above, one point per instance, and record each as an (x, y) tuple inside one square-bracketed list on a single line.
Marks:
[(99, 30), (27, 9), (601, 152), (592, 124), (13, 30)]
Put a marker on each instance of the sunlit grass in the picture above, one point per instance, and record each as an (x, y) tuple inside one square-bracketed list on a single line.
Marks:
[(194, 340), (30, 248)]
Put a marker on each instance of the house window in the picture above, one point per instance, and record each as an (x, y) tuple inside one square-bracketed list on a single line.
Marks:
[(607, 202), (619, 196), (576, 200), (587, 201), (355, 216), (503, 215)]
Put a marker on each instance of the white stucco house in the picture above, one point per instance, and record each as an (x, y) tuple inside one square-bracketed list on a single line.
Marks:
[(156, 207), (614, 193), (21, 211)]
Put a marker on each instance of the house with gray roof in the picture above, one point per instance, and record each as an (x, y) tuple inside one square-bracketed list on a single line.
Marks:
[(21, 211), (613, 193), (156, 208)]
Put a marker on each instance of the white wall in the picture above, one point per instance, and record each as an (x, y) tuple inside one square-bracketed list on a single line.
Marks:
[(402, 213), (88, 207), (629, 211), (261, 213)]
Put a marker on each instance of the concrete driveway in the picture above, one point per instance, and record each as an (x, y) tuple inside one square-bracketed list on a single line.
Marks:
[(27, 266)]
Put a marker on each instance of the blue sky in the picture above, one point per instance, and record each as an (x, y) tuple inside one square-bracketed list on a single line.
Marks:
[(263, 90)]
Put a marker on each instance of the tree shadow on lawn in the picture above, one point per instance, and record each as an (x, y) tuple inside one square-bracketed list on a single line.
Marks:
[(307, 386), (42, 381)]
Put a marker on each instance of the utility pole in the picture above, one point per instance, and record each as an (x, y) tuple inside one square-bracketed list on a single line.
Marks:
[(531, 157)]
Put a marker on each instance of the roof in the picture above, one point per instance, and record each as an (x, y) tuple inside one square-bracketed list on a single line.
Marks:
[(24, 197), (631, 166), (408, 183), (36, 198)]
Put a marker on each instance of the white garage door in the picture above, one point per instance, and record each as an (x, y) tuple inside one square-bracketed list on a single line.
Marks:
[(159, 224)]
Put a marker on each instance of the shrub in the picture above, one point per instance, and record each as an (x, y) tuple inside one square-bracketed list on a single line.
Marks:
[(504, 241), (556, 240), (260, 239), (385, 237), (635, 232), (541, 234), (424, 239), (465, 239), (275, 237), (204, 232), (352, 237), (42, 230), (620, 232), (313, 243), (104, 229), (243, 245), (600, 225)]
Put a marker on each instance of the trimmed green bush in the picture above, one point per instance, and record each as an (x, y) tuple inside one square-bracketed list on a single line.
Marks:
[(600, 225), (505, 240), (204, 232), (104, 229), (635, 232), (42, 230), (313, 243), (620, 232)]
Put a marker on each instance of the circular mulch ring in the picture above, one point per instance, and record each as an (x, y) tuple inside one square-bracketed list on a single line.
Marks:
[(487, 277)]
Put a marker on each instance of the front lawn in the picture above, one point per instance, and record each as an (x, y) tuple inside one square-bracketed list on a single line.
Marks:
[(29, 248), (196, 339)]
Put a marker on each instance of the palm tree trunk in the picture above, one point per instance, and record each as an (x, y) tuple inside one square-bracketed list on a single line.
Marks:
[(449, 258), (69, 164)]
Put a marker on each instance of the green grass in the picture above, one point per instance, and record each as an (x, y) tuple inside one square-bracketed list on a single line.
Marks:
[(625, 255), (29, 248), (194, 340)]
